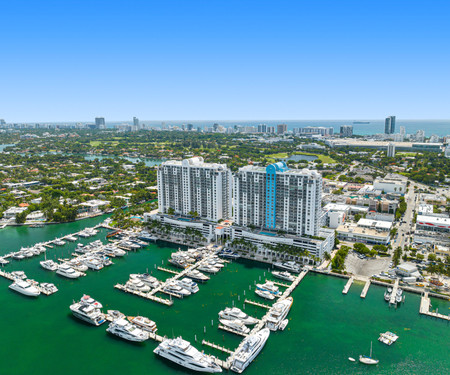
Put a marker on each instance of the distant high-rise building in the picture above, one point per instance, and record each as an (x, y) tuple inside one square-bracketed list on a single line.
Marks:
[(136, 122), (420, 136), (389, 125), (391, 150), (271, 129), (2, 122), (346, 130), (434, 138), (262, 128), (281, 128), (215, 127), (314, 130), (402, 131), (100, 123), (190, 127)]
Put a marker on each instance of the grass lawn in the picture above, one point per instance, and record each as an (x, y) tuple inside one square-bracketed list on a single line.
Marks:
[(280, 155), (325, 158)]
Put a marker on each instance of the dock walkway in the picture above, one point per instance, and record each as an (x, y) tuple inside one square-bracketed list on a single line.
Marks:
[(348, 285), (425, 305), (365, 289), (394, 293)]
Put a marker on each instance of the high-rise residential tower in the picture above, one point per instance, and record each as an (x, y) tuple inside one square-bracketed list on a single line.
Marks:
[(100, 123), (346, 130), (391, 150), (278, 198), (193, 186), (389, 125), (281, 129)]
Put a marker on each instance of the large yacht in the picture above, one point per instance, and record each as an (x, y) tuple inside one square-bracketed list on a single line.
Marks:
[(48, 288), (283, 275), (49, 265), (93, 263), (90, 301), (235, 325), (88, 313), (25, 288), (208, 268), (268, 286), (231, 313), (265, 294), (144, 323), (197, 276), (138, 285), (249, 349), (147, 279), (127, 331), (183, 353), (278, 312), (188, 284), (173, 287), (290, 266), (67, 271)]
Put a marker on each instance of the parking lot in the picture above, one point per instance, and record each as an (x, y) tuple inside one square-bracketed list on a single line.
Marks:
[(365, 267)]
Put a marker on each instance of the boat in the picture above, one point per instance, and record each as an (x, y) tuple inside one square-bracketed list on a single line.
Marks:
[(229, 254), (388, 338), (71, 238), (208, 268), (283, 324), (368, 360), (188, 284), (137, 285), (18, 275), (184, 354), (264, 294), (197, 276), (180, 263), (250, 348), (115, 314), (87, 313), (59, 242), (283, 275), (25, 288), (174, 288), (77, 265), (49, 288), (18, 255), (93, 263), (278, 313), (3, 261), (387, 296), (90, 301), (351, 359), (67, 271), (268, 286), (290, 266), (145, 236), (83, 234), (147, 279), (235, 325), (144, 323), (231, 313), (49, 265), (127, 331)]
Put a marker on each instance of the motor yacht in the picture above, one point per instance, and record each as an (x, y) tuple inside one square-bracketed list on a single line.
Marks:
[(49, 288), (88, 300), (264, 294), (115, 314), (3, 261), (215, 263), (188, 284), (49, 265), (127, 331), (178, 262), (250, 348), (144, 323), (25, 288), (93, 263), (137, 285), (145, 236), (59, 242), (285, 275), (197, 276), (67, 271), (268, 286), (207, 268), (77, 265), (229, 254), (147, 279), (71, 238), (19, 255), (183, 353), (18, 275), (232, 313), (278, 313), (87, 313), (174, 288), (235, 325), (290, 266)]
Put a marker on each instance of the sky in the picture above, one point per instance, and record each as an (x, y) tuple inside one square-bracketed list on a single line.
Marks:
[(225, 60)]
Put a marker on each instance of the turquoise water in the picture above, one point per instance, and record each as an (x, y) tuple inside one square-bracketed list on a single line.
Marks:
[(325, 327)]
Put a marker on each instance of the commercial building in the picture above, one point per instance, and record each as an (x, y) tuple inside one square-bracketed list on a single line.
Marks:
[(136, 122), (366, 231), (346, 131), (433, 223), (389, 125), (194, 187), (391, 150), (281, 128), (390, 185)]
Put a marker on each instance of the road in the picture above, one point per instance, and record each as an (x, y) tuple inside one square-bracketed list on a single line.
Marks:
[(407, 224)]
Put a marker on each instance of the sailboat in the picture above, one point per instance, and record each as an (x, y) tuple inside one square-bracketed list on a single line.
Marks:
[(368, 360)]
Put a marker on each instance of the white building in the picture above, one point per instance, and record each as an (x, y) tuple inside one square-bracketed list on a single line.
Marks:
[(390, 185), (192, 185), (366, 231), (11, 212), (391, 150), (433, 223)]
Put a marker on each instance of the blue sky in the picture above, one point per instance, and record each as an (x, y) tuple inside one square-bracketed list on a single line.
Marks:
[(237, 60)]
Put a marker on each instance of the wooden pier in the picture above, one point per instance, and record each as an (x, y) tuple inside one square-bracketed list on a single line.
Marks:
[(394, 293), (217, 347), (149, 296), (424, 309), (278, 283), (232, 331), (294, 285), (254, 303), (348, 285), (168, 270), (365, 289)]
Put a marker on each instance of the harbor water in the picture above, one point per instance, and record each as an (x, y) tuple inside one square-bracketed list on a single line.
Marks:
[(40, 336)]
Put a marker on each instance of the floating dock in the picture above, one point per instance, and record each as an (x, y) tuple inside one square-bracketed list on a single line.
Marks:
[(254, 303), (149, 296), (278, 283), (394, 293), (348, 285), (233, 331), (217, 347), (365, 289), (424, 309), (168, 270)]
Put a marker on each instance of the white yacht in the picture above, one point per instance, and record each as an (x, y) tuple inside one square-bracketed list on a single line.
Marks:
[(235, 325), (183, 353), (77, 265), (88, 313), (49, 265), (93, 263), (231, 313), (285, 275), (368, 360), (147, 279), (18, 275), (115, 314), (67, 271), (137, 285), (250, 348), (127, 331), (265, 294), (208, 268), (25, 288), (18, 255), (197, 276), (278, 313), (90, 301), (188, 284), (290, 266), (3, 261), (173, 287), (71, 238), (268, 286), (144, 323), (59, 242), (48, 287)]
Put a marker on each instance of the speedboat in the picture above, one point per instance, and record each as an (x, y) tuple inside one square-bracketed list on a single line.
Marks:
[(115, 314), (18, 255), (264, 294), (368, 360), (290, 266), (250, 348), (147, 279), (197, 276), (137, 285), (207, 268), (268, 286), (229, 254), (235, 325), (67, 271), (188, 284), (59, 242), (49, 265), (25, 288), (49, 288), (3, 261), (127, 331), (283, 275), (18, 275), (90, 301), (174, 288), (278, 313), (87, 313), (144, 323), (183, 353), (231, 313)]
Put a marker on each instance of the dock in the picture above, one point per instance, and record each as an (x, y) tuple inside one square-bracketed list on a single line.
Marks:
[(254, 303), (149, 296), (278, 283), (217, 347), (168, 270), (348, 285), (394, 293), (365, 289), (233, 331), (425, 305), (10, 277), (294, 285)]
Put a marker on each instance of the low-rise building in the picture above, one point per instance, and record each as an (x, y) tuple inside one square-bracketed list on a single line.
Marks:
[(433, 223), (366, 231), (390, 185), (92, 207), (11, 212)]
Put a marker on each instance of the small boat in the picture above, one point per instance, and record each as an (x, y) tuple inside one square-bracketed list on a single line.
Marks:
[(368, 360), (351, 359), (115, 314), (3, 261), (265, 294), (144, 323), (235, 325), (25, 288), (49, 265), (19, 275), (87, 313), (18, 256), (49, 288), (283, 324), (71, 238), (59, 242)]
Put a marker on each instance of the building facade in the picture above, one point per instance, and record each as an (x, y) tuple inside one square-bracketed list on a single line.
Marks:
[(391, 150), (346, 131), (193, 186), (389, 125)]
